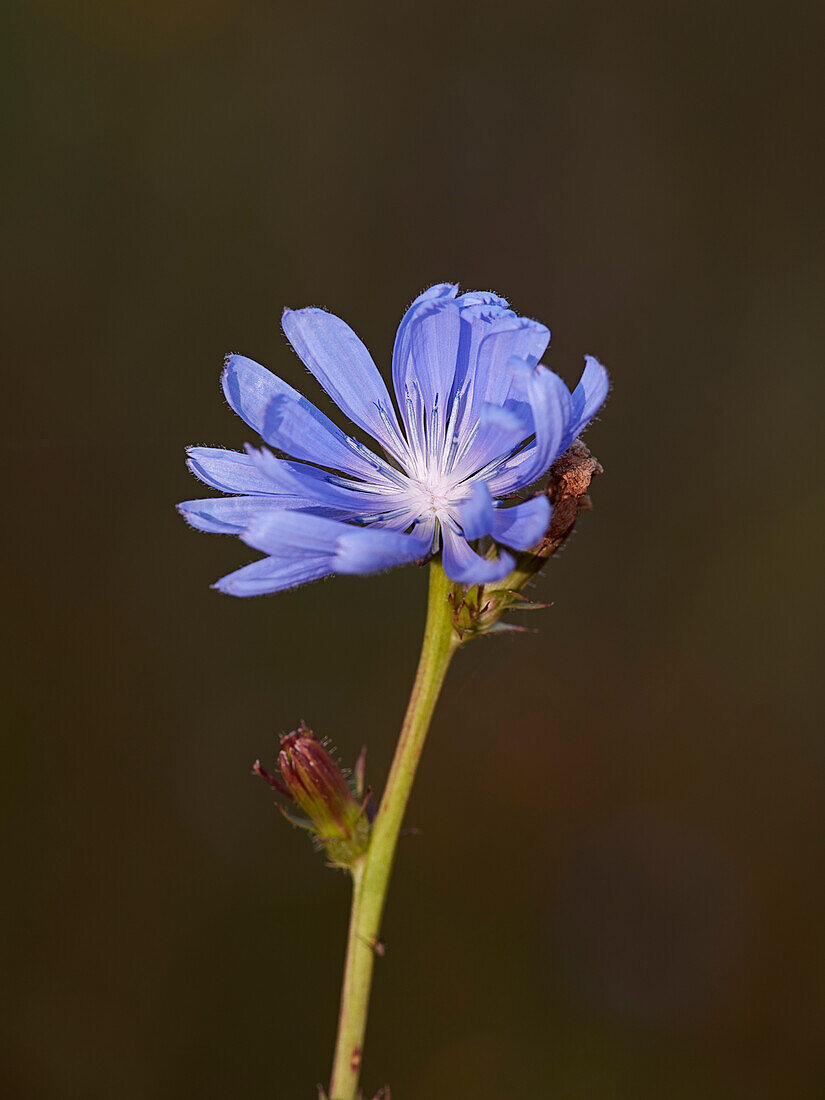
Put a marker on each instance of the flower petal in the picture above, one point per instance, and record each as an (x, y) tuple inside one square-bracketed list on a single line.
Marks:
[(230, 515), (472, 298), (424, 385), (422, 335), (588, 397), (465, 566), (293, 428), (249, 388), (344, 367), (476, 514), (481, 311), (307, 483), (497, 432), (283, 534), (400, 351), (371, 549), (520, 337), (508, 478), (434, 338), (549, 400), (274, 575), (234, 472), (350, 549), (523, 525), (287, 420)]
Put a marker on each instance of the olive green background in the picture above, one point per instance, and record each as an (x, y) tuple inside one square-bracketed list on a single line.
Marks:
[(616, 893)]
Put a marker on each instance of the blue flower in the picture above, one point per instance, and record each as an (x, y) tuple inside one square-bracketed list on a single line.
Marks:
[(478, 420)]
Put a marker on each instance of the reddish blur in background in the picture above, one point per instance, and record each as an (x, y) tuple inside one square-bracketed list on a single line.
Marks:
[(616, 893)]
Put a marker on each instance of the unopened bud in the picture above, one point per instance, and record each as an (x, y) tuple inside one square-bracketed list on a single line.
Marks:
[(312, 779)]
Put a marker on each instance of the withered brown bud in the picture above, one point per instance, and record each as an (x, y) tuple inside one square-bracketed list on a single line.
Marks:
[(568, 489)]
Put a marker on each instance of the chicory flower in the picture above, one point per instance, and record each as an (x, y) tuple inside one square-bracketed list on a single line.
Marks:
[(478, 421)]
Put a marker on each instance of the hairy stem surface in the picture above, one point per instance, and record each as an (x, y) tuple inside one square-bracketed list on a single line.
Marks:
[(371, 878)]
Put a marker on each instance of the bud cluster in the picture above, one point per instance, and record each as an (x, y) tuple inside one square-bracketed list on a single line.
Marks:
[(309, 776)]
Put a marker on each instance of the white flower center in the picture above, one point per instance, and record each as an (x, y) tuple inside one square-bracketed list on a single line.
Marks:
[(435, 495)]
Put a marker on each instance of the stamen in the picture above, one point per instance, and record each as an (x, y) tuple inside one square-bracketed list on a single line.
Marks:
[(378, 464), (415, 412), (465, 445), (433, 437), (451, 432), (398, 449)]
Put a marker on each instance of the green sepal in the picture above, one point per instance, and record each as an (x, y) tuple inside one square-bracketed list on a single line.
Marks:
[(298, 822), (508, 628)]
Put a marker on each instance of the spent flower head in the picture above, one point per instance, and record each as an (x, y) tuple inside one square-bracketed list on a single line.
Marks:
[(477, 421)]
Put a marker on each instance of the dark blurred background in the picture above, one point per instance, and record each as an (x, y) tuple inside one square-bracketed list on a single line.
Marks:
[(617, 889)]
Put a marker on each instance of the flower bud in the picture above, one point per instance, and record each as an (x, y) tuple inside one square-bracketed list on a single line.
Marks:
[(311, 778)]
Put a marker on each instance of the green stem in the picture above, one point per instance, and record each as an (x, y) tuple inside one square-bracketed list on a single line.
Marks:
[(371, 878)]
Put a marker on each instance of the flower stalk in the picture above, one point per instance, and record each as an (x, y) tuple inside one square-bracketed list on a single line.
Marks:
[(372, 875), (455, 615)]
